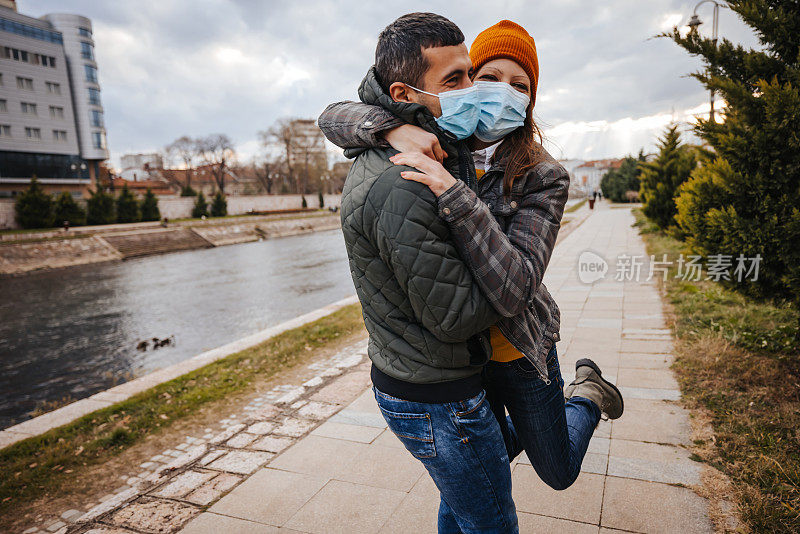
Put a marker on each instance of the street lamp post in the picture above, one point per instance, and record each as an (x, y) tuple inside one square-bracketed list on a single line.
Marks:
[(694, 22)]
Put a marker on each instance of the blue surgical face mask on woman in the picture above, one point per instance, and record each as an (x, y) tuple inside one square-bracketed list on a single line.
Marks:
[(460, 111), (503, 110)]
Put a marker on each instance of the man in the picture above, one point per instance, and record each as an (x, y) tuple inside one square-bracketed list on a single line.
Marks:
[(425, 315)]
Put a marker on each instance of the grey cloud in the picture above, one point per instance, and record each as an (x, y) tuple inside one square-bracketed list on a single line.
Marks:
[(162, 76)]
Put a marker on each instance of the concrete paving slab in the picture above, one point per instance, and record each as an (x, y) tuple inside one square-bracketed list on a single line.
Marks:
[(383, 467), (270, 496), (543, 523), (647, 378), (344, 507), (639, 506), (319, 456), (418, 512), (209, 523), (361, 434), (666, 426), (534, 496)]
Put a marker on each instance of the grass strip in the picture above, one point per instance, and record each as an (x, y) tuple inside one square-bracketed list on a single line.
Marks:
[(575, 207), (31, 468), (737, 358)]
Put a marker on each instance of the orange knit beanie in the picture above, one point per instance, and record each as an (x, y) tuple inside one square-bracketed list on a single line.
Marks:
[(509, 40)]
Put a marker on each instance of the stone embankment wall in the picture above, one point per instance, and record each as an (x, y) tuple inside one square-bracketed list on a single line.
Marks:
[(55, 252), (181, 207), (22, 257)]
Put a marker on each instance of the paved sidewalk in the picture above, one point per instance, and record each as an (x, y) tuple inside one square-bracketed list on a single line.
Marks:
[(347, 473)]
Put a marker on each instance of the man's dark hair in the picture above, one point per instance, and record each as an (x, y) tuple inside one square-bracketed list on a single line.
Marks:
[(398, 56)]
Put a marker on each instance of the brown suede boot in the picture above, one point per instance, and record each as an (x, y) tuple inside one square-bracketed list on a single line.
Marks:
[(590, 384)]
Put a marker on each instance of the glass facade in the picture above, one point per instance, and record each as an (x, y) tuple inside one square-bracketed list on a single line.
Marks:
[(99, 139), (97, 118), (26, 164), (30, 31), (87, 50), (91, 73), (94, 96)]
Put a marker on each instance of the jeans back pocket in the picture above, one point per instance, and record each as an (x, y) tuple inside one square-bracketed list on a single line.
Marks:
[(414, 430)]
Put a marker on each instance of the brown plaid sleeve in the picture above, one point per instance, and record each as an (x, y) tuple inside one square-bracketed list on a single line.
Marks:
[(509, 266), (356, 125)]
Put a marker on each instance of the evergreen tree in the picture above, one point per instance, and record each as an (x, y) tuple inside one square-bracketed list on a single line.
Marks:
[(149, 207), (100, 208), (747, 200), (187, 191), (321, 200), (200, 206), (660, 178), (127, 207), (618, 182), (34, 207), (219, 206), (66, 209), (305, 202)]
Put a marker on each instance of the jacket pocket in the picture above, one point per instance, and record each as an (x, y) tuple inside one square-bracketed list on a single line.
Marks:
[(414, 430)]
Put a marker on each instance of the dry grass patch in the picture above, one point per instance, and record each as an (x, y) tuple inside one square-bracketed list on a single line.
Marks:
[(738, 365)]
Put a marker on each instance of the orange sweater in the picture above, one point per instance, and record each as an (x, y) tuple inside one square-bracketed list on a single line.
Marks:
[(502, 349)]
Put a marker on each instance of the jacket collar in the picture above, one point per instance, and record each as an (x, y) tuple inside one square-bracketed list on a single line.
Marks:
[(371, 92)]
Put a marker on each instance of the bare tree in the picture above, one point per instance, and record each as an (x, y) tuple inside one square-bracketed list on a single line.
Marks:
[(282, 133), (216, 151), (183, 149), (303, 149)]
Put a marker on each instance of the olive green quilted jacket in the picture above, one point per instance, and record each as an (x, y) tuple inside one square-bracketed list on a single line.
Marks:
[(425, 315)]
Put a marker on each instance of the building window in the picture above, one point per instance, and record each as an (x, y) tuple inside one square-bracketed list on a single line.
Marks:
[(56, 112), (53, 87), (3, 106), (33, 133), (5, 130), (94, 96), (99, 139), (24, 83), (87, 50), (85, 32), (28, 107), (27, 57), (1, 78), (91, 73), (60, 135), (26, 30), (97, 118)]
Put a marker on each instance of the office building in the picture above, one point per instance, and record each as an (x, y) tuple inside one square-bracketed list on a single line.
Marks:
[(51, 115)]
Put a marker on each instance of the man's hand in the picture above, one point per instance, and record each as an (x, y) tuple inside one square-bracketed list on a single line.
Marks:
[(431, 172), (410, 138)]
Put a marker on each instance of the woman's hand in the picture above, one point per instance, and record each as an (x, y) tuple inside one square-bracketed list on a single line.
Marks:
[(431, 172), (410, 138)]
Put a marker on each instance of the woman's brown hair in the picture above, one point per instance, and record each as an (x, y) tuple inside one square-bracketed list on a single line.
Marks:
[(522, 150)]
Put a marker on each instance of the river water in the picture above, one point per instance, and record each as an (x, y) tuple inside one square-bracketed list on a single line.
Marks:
[(69, 333)]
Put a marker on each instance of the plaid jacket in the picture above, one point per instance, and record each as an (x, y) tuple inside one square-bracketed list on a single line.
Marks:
[(507, 242)]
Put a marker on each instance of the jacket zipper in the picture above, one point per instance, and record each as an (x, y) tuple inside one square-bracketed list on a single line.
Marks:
[(535, 361)]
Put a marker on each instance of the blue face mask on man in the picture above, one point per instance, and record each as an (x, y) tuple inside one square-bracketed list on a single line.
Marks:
[(503, 110), (460, 111)]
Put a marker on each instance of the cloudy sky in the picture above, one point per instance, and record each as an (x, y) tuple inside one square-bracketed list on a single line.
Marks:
[(194, 67)]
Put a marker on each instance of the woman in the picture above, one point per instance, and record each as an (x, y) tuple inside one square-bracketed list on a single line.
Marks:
[(520, 199)]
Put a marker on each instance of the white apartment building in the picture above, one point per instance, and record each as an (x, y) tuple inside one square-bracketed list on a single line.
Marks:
[(51, 115)]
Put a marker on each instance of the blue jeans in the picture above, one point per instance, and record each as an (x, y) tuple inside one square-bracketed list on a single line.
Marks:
[(555, 434), (461, 446)]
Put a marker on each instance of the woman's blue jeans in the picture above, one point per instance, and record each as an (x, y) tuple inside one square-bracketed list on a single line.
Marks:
[(553, 432), (461, 446)]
